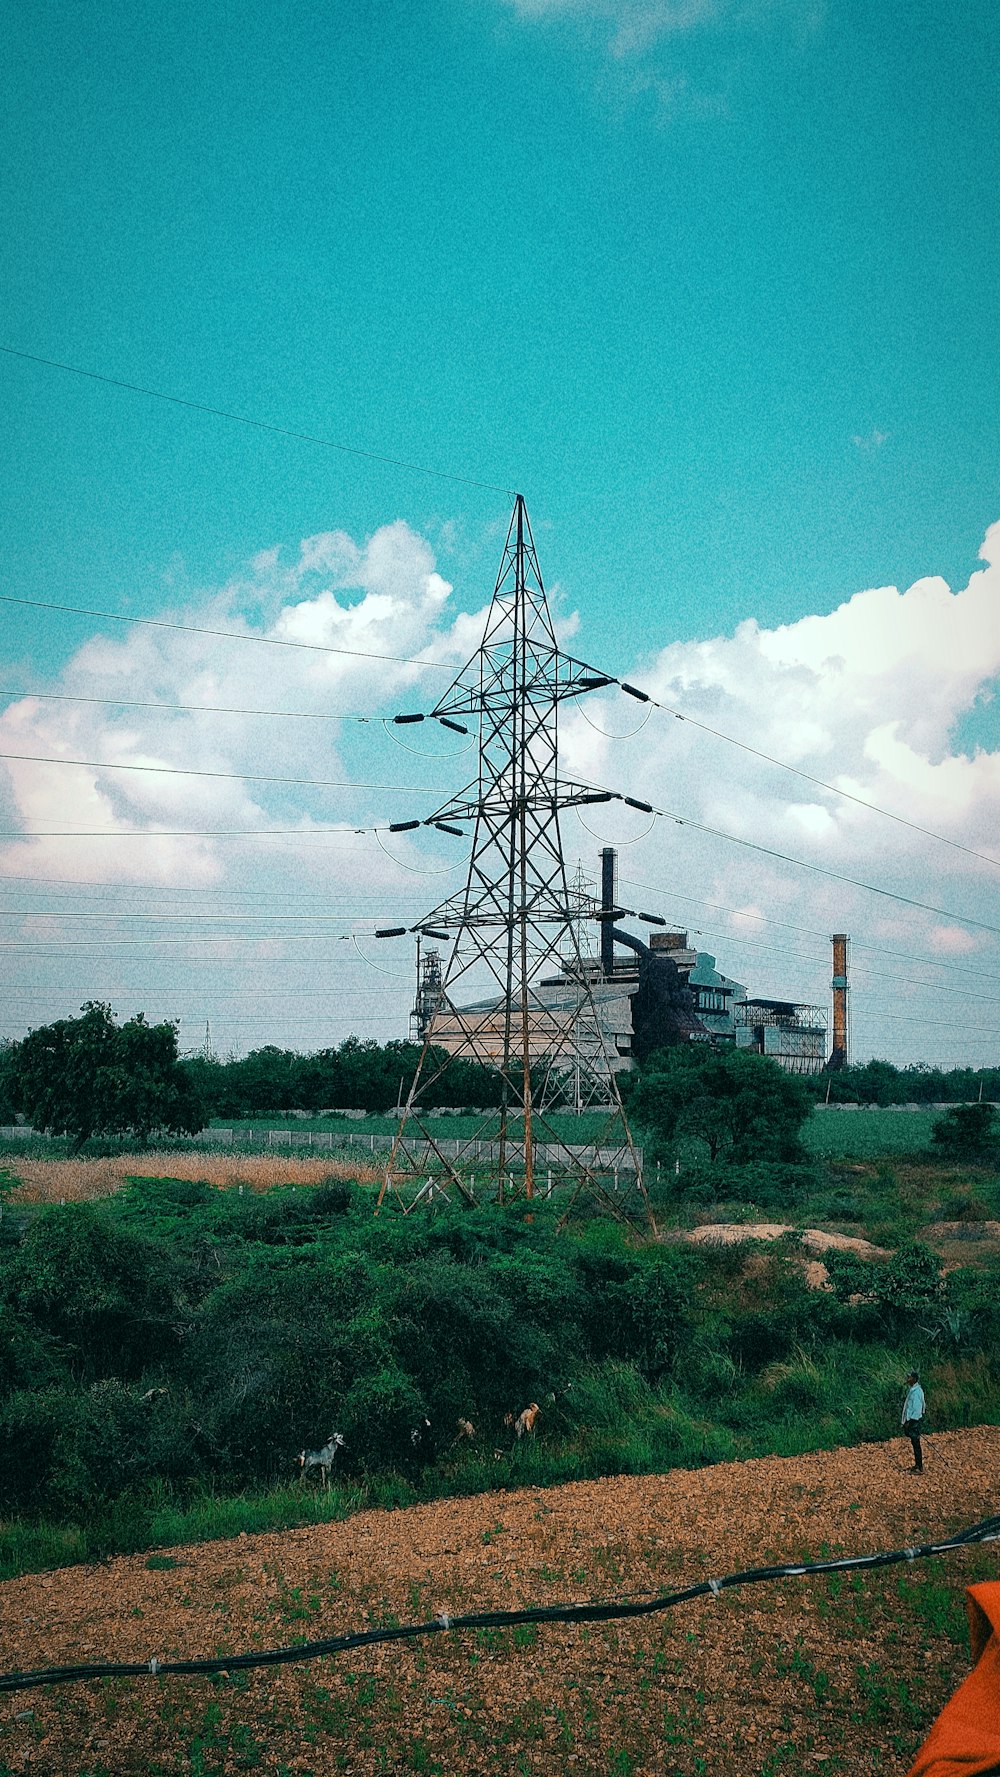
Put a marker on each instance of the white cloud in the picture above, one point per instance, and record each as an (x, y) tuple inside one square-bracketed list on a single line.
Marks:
[(637, 33), (868, 697), (402, 610), (869, 441)]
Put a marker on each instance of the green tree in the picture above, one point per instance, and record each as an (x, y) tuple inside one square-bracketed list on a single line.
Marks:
[(966, 1132), (741, 1107), (8, 1100), (90, 1076)]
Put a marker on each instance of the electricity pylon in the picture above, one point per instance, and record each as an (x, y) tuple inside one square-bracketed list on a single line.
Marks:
[(515, 918)]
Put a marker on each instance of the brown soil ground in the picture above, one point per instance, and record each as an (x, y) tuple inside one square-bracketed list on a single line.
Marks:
[(973, 1244), (815, 1240), (83, 1180), (841, 1673)]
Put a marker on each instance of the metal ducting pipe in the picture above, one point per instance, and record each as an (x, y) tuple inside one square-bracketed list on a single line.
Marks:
[(609, 858)]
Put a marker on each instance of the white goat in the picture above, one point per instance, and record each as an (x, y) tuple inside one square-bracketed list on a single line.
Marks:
[(321, 1459)]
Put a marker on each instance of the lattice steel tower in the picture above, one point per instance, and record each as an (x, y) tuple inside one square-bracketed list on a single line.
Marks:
[(516, 919)]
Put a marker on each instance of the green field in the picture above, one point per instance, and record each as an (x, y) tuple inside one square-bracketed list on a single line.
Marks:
[(863, 1134), (566, 1125), (868, 1134)]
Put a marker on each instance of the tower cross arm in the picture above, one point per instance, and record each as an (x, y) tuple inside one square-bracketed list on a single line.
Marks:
[(551, 677), (501, 803)]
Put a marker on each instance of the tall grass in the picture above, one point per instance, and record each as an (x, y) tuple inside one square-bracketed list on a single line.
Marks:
[(83, 1180)]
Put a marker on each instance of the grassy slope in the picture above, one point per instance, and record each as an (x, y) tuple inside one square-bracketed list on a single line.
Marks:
[(791, 1407)]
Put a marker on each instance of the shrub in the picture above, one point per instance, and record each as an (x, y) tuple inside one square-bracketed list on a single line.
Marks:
[(798, 1385), (958, 1206), (609, 1394), (379, 1415), (103, 1291), (966, 1132), (910, 1283)]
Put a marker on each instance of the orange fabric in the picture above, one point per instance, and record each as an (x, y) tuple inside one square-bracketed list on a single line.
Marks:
[(965, 1739)]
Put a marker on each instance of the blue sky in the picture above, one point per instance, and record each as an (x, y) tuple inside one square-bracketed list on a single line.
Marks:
[(713, 283)]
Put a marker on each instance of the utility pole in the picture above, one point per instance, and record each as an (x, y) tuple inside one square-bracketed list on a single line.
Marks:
[(515, 919)]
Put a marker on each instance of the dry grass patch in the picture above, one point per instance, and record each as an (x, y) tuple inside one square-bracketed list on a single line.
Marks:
[(83, 1180)]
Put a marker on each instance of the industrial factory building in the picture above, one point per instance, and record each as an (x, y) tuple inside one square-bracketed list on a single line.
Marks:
[(646, 996)]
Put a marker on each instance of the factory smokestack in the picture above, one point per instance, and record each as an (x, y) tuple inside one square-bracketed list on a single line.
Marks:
[(839, 1052), (609, 858)]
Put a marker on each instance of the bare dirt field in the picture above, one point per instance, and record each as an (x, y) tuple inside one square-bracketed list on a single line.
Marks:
[(841, 1673), (82, 1180)]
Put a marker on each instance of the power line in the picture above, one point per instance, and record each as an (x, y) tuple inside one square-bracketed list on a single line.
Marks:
[(782, 764), (179, 889), (977, 1032), (202, 992), (818, 869), (242, 419), (207, 709), (165, 888), (934, 987), (246, 777), (44, 946), (230, 635), (928, 962), (343, 832), (194, 919)]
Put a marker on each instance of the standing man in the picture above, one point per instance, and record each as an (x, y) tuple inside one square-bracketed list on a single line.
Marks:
[(914, 1408)]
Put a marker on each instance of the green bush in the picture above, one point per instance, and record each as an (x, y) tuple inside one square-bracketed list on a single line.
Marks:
[(166, 1354), (966, 1132), (380, 1414), (103, 1292)]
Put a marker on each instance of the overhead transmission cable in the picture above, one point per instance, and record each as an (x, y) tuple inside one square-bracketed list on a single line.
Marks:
[(440, 474), (257, 425), (257, 895), (783, 765), (311, 832), (246, 777), (927, 962), (768, 851), (207, 709), (230, 635)]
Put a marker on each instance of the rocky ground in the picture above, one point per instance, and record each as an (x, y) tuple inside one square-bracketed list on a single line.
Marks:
[(843, 1673)]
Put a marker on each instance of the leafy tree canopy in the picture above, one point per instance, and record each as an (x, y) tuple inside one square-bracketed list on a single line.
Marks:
[(357, 1075), (91, 1076), (741, 1107)]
